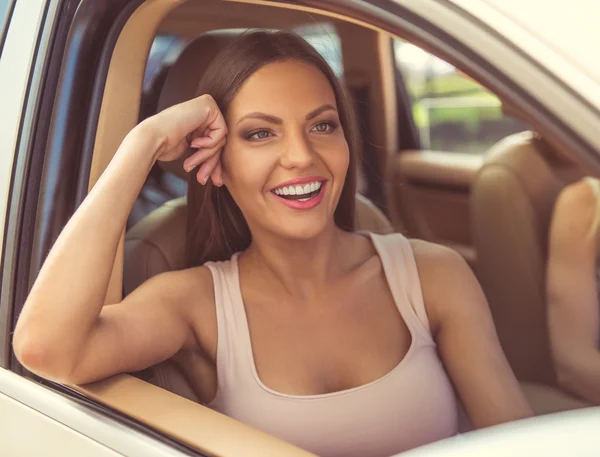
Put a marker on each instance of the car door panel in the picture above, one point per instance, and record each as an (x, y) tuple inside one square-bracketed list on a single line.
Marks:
[(19, 423), (195, 425), (60, 423), (430, 193)]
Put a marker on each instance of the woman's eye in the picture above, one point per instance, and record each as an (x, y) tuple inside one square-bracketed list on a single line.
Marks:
[(323, 127), (258, 135)]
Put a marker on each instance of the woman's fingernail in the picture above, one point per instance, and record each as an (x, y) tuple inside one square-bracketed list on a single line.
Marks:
[(204, 181)]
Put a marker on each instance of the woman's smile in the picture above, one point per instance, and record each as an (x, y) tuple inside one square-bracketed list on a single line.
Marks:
[(301, 193)]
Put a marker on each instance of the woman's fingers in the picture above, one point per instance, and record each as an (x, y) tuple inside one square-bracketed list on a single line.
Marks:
[(201, 156), (207, 168), (197, 158), (209, 138), (203, 142), (197, 122), (217, 175)]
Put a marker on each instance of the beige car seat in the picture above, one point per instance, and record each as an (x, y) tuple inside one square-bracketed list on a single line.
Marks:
[(512, 200), (157, 242)]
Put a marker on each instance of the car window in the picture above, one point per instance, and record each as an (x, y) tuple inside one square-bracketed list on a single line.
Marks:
[(451, 111), (324, 38), (6, 7)]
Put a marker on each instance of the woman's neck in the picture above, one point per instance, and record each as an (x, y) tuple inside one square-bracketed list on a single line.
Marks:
[(302, 267)]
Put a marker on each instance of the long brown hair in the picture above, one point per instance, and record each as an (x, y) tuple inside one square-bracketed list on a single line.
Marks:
[(216, 228)]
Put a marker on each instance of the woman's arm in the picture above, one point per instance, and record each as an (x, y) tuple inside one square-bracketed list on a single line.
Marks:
[(462, 326), (572, 293), (64, 332)]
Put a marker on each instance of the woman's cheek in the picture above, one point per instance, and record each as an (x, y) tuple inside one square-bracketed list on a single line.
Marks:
[(338, 157), (247, 168)]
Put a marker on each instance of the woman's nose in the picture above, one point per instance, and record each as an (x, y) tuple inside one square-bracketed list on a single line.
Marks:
[(297, 152)]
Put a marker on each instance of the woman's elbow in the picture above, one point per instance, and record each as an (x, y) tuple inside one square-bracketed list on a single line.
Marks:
[(39, 357)]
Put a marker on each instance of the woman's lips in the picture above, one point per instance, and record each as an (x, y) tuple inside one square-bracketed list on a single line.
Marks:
[(303, 205)]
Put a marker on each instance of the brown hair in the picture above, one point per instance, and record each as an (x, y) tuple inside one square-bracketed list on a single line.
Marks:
[(216, 228)]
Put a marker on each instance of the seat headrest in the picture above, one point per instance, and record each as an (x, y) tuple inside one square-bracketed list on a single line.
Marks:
[(181, 82)]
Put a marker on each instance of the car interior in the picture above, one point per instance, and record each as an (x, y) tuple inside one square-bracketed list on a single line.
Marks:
[(435, 165)]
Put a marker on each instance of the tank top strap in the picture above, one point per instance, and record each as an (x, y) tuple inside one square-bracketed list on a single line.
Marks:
[(233, 339), (398, 260)]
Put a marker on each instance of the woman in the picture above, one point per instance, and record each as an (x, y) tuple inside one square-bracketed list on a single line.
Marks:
[(286, 319), (572, 289)]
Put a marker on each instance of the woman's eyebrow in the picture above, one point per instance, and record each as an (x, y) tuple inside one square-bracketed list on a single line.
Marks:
[(279, 121), (262, 116), (320, 110)]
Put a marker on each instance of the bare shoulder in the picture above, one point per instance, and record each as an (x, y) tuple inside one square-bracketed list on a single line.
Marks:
[(433, 259), (191, 289), (188, 294), (181, 287), (447, 282)]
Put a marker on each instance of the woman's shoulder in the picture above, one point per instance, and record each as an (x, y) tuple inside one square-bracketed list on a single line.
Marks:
[(448, 283), (436, 264), (202, 276), (433, 259), (424, 252), (185, 289)]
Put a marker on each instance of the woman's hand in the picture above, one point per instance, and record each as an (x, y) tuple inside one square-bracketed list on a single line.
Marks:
[(197, 124)]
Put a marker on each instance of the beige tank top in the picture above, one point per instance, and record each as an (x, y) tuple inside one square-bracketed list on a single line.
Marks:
[(412, 405)]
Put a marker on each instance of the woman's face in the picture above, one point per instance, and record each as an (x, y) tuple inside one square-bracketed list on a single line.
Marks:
[(286, 156)]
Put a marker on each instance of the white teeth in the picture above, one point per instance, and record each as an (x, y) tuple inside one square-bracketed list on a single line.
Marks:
[(298, 190)]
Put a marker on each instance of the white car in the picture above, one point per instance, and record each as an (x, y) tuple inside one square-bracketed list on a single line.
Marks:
[(474, 114)]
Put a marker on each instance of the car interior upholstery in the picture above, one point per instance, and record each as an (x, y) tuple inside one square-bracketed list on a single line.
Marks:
[(493, 208)]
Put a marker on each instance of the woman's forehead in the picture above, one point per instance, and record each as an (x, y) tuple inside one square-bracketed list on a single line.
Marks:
[(283, 87)]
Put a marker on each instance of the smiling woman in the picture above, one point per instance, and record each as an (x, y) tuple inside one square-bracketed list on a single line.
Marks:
[(270, 76), (342, 342)]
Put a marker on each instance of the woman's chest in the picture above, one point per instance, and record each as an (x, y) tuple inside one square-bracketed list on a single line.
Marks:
[(352, 336)]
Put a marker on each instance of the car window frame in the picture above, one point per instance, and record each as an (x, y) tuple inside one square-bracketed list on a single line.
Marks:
[(110, 21)]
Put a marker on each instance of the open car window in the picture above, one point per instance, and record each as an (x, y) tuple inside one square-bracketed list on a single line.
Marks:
[(452, 112)]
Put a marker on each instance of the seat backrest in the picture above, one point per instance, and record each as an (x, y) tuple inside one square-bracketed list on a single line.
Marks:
[(512, 200)]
